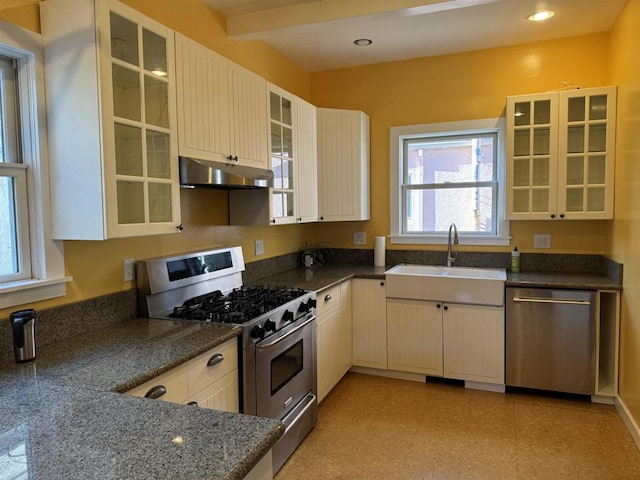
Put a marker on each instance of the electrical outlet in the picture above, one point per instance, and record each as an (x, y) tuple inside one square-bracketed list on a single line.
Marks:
[(360, 238), (541, 241), (259, 247), (129, 268)]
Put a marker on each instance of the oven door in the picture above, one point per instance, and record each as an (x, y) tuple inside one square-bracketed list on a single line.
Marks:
[(286, 368)]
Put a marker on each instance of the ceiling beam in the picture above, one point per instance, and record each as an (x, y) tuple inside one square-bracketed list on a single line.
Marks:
[(307, 15)]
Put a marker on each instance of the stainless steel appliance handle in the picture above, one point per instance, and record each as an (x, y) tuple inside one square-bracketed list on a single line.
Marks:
[(551, 300), (310, 399), (275, 342)]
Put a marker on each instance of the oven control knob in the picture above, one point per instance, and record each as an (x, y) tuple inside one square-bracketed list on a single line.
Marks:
[(270, 326), (257, 332), (312, 303), (287, 316), (304, 307)]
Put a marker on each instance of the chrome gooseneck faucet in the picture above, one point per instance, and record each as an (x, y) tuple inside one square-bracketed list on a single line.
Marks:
[(451, 257)]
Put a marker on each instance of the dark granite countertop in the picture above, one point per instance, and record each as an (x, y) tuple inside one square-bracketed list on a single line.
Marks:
[(61, 418), (324, 276)]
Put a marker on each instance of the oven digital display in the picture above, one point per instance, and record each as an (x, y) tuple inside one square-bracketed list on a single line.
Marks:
[(198, 265), (286, 366)]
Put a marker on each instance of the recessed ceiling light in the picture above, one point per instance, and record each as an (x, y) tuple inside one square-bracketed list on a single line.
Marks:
[(540, 16), (363, 42)]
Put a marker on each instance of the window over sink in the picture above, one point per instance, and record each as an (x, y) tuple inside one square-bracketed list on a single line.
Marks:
[(447, 173)]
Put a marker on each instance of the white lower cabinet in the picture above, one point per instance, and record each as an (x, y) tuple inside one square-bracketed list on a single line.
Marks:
[(473, 338), (333, 335), (414, 336), (210, 380), (369, 323), (464, 342)]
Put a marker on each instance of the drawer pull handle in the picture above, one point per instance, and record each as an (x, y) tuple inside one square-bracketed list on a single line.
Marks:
[(195, 404), (215, 360), (156, 392), (327, 297)]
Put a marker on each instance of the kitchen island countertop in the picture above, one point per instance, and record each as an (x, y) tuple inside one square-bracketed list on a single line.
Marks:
[(61, 415)]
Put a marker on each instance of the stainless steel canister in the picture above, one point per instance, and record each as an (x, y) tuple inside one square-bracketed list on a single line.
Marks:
[(23, 324)]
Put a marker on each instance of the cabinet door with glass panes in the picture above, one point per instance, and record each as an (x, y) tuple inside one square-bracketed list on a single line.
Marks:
[(586, 142), (110, 94), (282, 161), (560, 155), (532, 156)]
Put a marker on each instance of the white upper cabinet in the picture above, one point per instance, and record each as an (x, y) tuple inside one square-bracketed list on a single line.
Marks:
[(343, 165), (293, 147), (110, 84), (305, 151), (560, 154), (222, 108)]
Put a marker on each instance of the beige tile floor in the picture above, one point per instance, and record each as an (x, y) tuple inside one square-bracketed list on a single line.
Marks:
[(378, 428)]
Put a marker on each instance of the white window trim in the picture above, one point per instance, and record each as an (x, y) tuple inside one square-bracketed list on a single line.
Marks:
[(48, 278), (398, 134)]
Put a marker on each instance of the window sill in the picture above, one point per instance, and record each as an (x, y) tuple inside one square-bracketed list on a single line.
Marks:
[(444, 240), (29, 291)]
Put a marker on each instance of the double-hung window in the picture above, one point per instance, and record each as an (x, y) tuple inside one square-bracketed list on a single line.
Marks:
[(15, 256), (31, 262), (448, 173)]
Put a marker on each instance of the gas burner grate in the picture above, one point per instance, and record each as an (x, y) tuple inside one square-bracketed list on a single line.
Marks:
[(238, 306)]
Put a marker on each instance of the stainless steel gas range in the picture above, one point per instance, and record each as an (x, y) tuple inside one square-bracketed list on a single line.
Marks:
[(278, 340)]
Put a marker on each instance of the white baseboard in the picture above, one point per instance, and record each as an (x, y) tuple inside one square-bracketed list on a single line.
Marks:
[(604, 399), (628, 420), (488, 387), (414, 377)]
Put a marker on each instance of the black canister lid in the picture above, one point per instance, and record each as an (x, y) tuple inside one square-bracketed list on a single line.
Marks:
[(26, 314)]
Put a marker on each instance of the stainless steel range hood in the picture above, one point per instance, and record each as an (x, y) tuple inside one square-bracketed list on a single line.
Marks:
[(196, 173)]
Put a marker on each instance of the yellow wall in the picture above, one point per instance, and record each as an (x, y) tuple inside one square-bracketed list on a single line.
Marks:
[(463, 86), (625, 72), (96, 267)]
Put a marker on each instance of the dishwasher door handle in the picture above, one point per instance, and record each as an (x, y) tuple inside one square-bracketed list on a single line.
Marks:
[(551, 300)]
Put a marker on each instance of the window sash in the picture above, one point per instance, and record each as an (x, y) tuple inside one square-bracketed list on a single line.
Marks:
[(20, 222)]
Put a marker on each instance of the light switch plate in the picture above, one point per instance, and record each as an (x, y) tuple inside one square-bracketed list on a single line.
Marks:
[(541, 241), (360, 238), (129, 267), (259, 247)]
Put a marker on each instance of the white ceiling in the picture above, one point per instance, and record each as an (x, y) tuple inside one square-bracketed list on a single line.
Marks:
[(319, 34)]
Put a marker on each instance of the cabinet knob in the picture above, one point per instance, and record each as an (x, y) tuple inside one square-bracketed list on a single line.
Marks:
[(553, 215), (230, 158), (382, 284), (180, 227), (327, 297), (321, 218), (438, 305), (562, 215), (445, 307), (235, 159), (273, 220)]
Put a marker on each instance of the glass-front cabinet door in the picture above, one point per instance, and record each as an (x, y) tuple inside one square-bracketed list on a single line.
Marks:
[(282, 161), (143, 180), (586, 146), (560, 154), (531, 156)]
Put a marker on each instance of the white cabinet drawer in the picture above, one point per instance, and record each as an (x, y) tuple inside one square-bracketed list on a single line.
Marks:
[(173, 383), (327, 299), (221, 395), (211, 366)]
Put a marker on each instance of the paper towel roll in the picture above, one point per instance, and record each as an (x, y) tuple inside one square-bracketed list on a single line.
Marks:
[(378, 252)]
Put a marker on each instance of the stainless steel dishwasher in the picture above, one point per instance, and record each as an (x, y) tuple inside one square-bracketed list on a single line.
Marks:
[(550, 336)]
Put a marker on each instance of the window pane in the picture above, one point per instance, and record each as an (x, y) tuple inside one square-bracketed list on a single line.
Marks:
[(454, 160), (433, 209), (8, 231)]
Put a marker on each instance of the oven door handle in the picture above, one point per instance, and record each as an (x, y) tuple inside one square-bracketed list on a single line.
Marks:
[(275, 342)]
